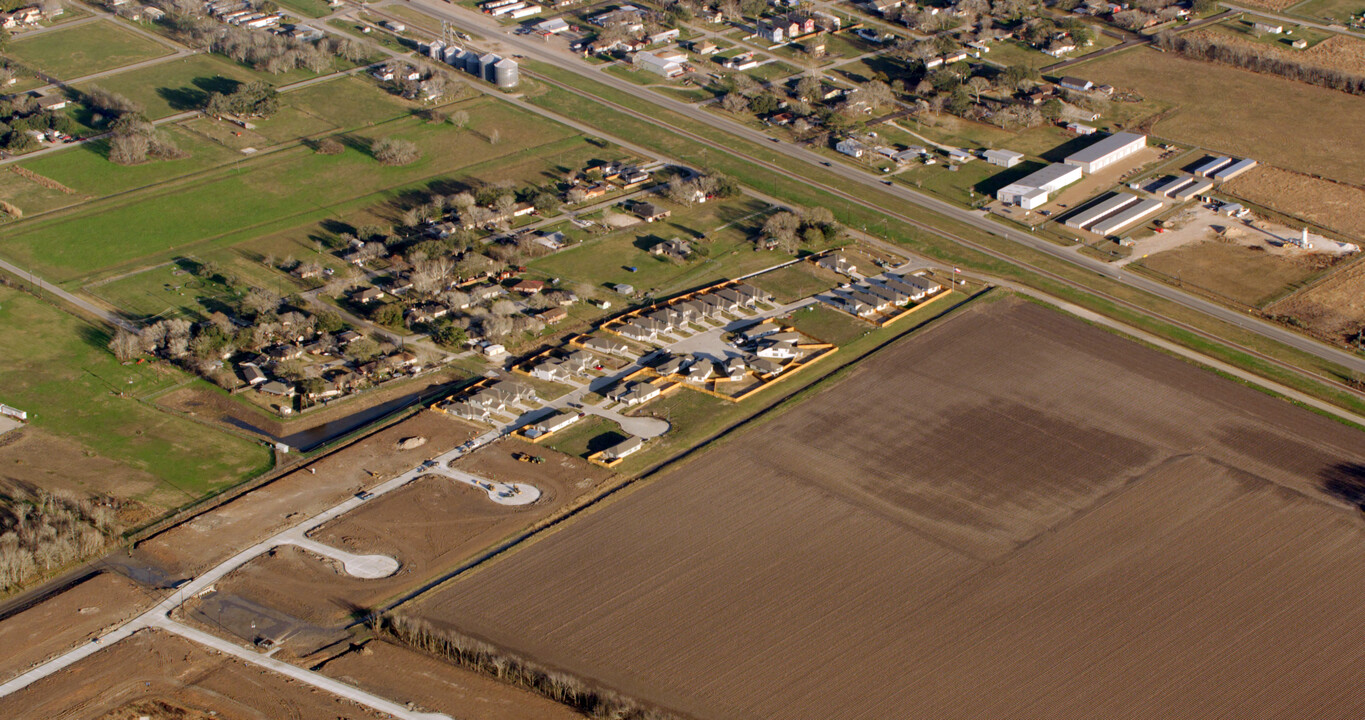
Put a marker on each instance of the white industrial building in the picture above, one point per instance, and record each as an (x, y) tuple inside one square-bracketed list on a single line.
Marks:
[(1127, 218), (1108, 151), (1003, 158), (1033, 189), (667, 64)]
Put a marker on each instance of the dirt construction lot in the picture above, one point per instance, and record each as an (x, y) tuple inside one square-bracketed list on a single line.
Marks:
[(429, 526), (1332, 205), (67, 619), (167, 678), (204, 541), (1078, 527)]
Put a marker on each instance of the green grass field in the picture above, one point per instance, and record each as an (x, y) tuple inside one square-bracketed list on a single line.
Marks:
[(725, 225), (1332, 10), (87, 168), (824, 322), (176, 85), (794, 282), (58, 369), (252, 197), (311, 8), (84, 49)]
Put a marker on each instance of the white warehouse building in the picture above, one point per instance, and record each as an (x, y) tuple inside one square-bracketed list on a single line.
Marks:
[(1033, 189), (1108, 151)]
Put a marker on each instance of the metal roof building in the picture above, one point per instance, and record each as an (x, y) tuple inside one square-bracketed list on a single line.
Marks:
[(1108, 151), (1033, 189)]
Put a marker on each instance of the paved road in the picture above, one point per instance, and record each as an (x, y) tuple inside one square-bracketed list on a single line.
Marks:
[(84, 305), (856, 177)]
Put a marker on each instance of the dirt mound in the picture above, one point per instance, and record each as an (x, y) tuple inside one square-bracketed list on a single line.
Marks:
[(411, 443)]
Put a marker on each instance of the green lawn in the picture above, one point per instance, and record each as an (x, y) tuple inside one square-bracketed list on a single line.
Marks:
[(87, 168), (1332, 10), (311, 8), (84, 49), (824, 322), (56, 367), (794, 282), (349, 102), (177, 85), (727, 227), (244, 200)]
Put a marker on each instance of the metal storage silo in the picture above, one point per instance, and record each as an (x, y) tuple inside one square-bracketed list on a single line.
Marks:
[(506, 74)]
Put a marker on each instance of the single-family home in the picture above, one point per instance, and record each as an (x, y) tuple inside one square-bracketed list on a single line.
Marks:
[(676, 248), (649, 212)]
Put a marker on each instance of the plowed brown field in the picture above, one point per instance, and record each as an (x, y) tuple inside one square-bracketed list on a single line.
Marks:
[(1011, 515)]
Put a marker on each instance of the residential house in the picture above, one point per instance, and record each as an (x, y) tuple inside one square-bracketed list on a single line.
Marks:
[(553, 241), (637, 331), (253, 375), (851, 147), (529, 287), (553, 315), (838, 262), (279, 388), (629, 446), (550, 370), (677, 249), (778, 351), (763, 367), (649, 212), (552, 424)]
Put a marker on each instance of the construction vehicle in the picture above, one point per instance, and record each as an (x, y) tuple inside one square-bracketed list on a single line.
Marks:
[(527, 457)]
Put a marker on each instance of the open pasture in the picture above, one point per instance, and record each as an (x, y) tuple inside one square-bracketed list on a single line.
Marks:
[(85, 49), (285, 188), (1243, 113), (1012, 514)]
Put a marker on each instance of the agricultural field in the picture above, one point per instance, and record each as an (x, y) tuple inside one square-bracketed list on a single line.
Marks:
[(281, 189), (1001, 532), (1243, 113), (85, 49), (59, 370)]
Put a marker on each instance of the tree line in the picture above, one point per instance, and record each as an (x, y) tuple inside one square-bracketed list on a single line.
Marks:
[(566, 689), (1261, 61)]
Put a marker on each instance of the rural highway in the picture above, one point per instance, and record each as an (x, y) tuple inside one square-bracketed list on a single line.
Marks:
[(539, 50)]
